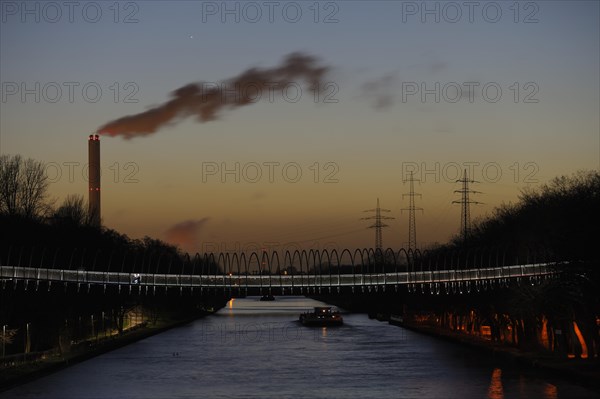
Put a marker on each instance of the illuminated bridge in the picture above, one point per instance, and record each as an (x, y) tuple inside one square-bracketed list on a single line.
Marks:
[(79, 294), (234, 276)]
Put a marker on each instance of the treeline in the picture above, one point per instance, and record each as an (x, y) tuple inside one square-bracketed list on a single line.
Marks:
[(34, 232), (559, 220)]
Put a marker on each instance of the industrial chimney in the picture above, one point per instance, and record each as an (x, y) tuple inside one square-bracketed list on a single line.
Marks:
[(94, 178)]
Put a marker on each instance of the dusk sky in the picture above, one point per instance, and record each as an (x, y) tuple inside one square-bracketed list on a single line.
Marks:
[(352, 144)]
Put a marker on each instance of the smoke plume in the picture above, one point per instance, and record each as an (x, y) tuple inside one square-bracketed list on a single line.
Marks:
[(205, 101), (186, 234)]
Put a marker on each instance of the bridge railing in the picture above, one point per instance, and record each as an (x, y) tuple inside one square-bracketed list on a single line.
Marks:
[(257, 281), (296, 262)]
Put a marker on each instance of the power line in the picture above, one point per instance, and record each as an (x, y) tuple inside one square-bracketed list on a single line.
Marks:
[(412, 224), (329, 236), (378, 225), (465, 217)]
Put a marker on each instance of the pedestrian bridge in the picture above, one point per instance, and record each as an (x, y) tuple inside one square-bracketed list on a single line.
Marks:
[(435, 282)]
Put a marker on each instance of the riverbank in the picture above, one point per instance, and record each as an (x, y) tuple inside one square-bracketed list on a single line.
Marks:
[(11, 377), (583, 372)]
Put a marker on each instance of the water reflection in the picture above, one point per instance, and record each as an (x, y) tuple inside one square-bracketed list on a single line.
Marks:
[(495, 390), (550, 391), (253, 349), (526, 388)]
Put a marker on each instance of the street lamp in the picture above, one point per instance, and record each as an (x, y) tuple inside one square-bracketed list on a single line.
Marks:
[(93, 330), (26, 349), (103, 327), (3, 341)]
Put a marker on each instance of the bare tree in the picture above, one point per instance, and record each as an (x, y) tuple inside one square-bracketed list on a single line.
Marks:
[(9, 183), (34, 188), (73, 209), (23, 186)]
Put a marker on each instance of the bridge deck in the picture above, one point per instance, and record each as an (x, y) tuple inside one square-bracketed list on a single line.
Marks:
[(282, 281)]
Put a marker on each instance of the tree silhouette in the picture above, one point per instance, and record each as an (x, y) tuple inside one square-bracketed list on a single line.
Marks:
[(23, 186)]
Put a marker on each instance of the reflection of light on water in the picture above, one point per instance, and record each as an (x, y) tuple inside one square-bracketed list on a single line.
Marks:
[(495, 390), (522, 386), (584, 350), (230, 303), (324, 332), (544, 335), (550, 391)]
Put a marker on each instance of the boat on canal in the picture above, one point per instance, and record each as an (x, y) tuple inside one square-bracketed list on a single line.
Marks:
[(322, 316)]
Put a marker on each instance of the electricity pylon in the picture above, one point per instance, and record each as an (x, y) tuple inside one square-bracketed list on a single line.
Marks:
[(412, 224), (378, 225), (465, 217)]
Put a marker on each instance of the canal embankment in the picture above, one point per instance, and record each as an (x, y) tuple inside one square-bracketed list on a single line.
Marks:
[(24, 369), (463, 329), (581, 371)]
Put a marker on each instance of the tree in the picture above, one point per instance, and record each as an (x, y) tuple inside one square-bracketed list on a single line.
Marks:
[(23, 187), (9, 183), (73, 210)]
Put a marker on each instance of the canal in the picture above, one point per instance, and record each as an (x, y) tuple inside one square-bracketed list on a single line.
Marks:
[(253, 349)]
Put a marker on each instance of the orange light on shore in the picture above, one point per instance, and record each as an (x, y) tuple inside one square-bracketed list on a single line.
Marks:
[(544, 333)]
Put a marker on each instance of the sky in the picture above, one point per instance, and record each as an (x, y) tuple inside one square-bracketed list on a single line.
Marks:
[(507, 90)]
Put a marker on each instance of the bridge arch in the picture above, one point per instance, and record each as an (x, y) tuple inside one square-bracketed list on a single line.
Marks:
[(244, 260), (325, 253), (264, 256), (254, 256), (287, 257), (364, 267), (297, 254), (339, 260)]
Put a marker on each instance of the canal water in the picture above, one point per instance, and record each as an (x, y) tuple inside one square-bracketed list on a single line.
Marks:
[(254, 349)]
